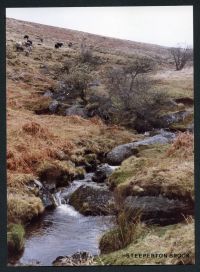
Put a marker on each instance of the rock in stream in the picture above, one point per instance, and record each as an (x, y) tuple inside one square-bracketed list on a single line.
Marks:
[(93, 200), (103, 171)]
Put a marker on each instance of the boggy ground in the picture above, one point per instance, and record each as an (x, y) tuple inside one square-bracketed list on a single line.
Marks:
[(42, 143)]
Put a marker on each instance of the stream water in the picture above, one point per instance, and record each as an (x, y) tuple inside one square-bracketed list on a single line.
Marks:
[(63, 231)]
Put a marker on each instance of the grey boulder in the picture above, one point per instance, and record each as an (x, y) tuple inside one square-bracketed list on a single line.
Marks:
[(53, 106), (158, 209), (76, 110), (122, 152), (103, 171), (93, 200)]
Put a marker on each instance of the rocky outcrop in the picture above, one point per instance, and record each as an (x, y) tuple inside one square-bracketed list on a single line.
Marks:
[(103, 171), (173, 118), (48, 93), (93, 200), (53, 106), (77, 259), (122, 152), (44, 193), (76, 110), (158, 209)]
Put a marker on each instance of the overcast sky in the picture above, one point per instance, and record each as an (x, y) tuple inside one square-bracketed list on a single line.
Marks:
[(169, 25)]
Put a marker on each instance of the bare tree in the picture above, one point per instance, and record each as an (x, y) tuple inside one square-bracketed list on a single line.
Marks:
[(181, 56), (127, 84), (131, 91)]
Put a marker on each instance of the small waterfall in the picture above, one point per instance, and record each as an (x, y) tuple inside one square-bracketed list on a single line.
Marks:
[(63, 207), (58, 199)]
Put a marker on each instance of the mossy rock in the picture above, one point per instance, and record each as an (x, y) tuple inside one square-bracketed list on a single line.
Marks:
[(15, 238), (93, 200), (128, 168), (119, 177)]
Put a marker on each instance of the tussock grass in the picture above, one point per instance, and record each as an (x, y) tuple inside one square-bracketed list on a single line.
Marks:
[(177, 84), (60, 172), (15, 238), (22, 207), (123, 234), (159, 169), (174, 239), (16, 181)]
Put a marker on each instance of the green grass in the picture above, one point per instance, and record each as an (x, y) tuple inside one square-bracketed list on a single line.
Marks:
[(171, 239), (15, 238)]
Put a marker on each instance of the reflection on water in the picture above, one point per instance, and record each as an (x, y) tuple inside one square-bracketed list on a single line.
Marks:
[(62, 232)]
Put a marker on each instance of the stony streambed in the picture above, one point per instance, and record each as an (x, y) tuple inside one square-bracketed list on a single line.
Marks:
[(86, 208), (63, 231)]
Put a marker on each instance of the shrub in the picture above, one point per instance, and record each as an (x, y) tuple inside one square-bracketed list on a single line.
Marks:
[(15, 238), (131, 93), (181, 56), (85, 52), (76, 82)]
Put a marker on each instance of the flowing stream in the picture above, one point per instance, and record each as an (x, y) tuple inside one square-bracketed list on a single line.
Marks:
[(63, 231)]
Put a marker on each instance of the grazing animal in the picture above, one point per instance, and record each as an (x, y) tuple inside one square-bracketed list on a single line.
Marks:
[(58, 44), (23, 47), (29, 42), (70, 44), (26, 37), (19, 46), (28, 50)]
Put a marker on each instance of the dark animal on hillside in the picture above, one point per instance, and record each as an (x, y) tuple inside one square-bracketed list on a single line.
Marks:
[(70, 44), (30, 42), (58, 44), (28, 50), (26, 37)]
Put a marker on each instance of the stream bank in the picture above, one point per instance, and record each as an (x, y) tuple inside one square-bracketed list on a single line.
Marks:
[(66, 230), (63, 230)]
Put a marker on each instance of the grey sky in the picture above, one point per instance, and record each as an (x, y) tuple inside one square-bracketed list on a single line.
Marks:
[(169, 25)]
